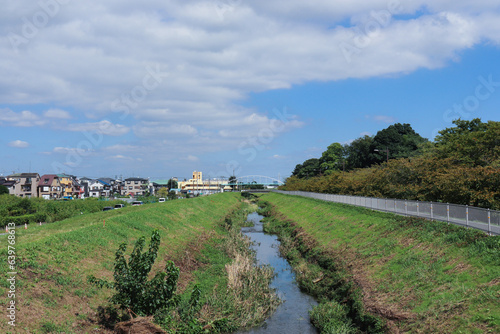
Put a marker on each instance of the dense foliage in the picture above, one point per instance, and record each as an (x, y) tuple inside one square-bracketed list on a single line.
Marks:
[(461, 166), (23, 210), (397, 141)]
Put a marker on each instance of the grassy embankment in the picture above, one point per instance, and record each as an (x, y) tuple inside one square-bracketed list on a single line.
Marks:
[(417, 276), (54, 260)]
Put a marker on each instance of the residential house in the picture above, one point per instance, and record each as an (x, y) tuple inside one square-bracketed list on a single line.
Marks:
[(26, 184), (98, 188), (84, 185), (78, 189), (68, 185), (8, 183), (50, 187), (115, 185), (157, 185), (135, 186)]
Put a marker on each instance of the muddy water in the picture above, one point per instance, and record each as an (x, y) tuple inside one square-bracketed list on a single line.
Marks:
[(292, 315)]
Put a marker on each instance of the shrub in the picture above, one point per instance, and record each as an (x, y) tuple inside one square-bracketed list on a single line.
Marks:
[(133, 290)]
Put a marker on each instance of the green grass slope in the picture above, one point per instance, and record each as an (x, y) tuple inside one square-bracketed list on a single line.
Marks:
[(54, 260), (421, 276)]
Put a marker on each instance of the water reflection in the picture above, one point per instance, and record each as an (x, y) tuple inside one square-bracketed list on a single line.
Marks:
[(292, 315)]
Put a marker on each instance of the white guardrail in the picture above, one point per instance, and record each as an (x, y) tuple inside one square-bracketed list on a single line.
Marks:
[(482, 219)]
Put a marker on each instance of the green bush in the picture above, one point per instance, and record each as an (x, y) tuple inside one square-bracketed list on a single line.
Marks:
[(136, 294), (23, 210)]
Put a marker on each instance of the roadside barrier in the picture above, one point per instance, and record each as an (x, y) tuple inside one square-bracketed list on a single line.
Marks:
[(468, 216)]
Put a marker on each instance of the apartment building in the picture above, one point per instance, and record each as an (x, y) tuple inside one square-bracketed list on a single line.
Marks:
[(26, 184)]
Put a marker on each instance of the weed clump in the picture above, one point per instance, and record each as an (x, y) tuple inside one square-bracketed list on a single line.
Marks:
[(332, 317)]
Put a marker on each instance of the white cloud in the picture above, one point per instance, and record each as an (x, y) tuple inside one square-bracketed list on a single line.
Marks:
[(57, 113), (103, 127), (191, 158), (120, 157), (159, 130), (193, 62), (19, 144), (71, 150), (122, 148), (381, 118), (21, 119)]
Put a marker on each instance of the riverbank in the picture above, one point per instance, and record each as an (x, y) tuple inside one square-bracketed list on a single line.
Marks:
[(52, 263), (377, 272)]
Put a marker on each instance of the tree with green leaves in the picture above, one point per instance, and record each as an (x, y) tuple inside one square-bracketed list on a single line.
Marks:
[(172, 184), (4, 190), (233, 182), (332, 159), (359, 153), (309, 168), (162, 192), (133, 291), (172, 195), (473, 143), (401, 141)]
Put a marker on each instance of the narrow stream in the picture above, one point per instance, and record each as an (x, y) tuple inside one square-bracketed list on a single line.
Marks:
[(292, 316)]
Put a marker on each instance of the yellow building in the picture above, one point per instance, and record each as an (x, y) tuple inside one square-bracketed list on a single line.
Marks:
[(197, 184), (66, 182)]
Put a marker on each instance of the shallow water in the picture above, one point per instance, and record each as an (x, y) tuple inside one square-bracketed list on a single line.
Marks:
[(292, 316)]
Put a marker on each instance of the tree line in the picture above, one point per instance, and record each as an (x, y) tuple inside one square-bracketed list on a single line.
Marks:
[(461, 165)]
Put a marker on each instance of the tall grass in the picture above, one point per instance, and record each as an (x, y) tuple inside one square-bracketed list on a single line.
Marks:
[(238, 292)]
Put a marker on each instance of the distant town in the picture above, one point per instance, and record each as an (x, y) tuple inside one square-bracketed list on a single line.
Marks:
[(63, 186)]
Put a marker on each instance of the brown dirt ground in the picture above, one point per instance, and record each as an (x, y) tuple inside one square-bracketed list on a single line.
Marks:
[(139, 325)]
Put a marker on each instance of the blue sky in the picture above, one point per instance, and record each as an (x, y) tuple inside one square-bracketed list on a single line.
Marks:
[(161, 88)]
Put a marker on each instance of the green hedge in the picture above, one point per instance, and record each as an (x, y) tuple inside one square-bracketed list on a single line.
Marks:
[(25, 219), (23, 210)]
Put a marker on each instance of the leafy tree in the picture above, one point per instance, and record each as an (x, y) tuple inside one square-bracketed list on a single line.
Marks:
[(172, 184), (309, 168), (232, 181), (401, 141), (473, 143), (3, 190), (332, 159), (359, 153), (163, 192), (172, 195), (133, 291)]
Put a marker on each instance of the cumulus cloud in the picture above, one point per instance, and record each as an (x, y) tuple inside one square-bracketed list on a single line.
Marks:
[(104, 127), (71, 150), (19, 144), (57, 114), (191, 158), (179, 69), (24, 118), (120, 157), (381, 118), (159, 130)]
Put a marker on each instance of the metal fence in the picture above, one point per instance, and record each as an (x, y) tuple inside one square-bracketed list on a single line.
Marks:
[(468, 216)]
